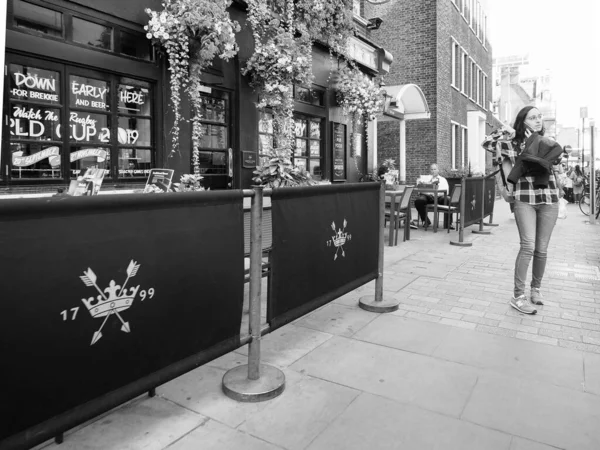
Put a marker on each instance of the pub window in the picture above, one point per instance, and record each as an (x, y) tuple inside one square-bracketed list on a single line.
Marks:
[(265, 137), (38, 19), (313, 96), (35, 113), (214, 143), (135, 45), (135, 125), (103, 129), (356, 7), (454, 143), (308, 148), (93, 34)]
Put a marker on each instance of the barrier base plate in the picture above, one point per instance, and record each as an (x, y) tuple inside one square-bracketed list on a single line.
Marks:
[(490, 224), (481, 232), (385, 305), (461, 244), (237, 386)]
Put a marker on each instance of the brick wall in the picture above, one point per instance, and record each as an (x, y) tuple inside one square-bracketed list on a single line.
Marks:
[(418, 34)]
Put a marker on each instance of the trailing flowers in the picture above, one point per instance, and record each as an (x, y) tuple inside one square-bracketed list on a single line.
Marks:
[(192, 33)]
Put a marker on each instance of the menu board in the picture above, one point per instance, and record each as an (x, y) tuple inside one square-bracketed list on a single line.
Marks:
[(339, 151), (159, 180), (89, 183)]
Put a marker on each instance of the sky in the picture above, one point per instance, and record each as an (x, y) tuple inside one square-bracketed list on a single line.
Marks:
[(562, 36)]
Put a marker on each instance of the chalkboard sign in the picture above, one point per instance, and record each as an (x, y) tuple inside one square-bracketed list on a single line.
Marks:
[(339, 151)]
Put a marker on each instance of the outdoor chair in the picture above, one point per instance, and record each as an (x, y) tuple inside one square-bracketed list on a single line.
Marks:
[(401, 214), (267, 243), (448, 210)]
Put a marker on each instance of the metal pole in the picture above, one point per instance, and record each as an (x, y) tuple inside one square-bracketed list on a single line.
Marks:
[(461, 229), (256, 213), (582, 143), (379, 280), (593, 205), (257, 382), (481, 230), (376, 303)]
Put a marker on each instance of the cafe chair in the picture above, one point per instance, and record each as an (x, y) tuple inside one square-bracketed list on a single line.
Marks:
[(449, 209), (267, 243), (401, 214)]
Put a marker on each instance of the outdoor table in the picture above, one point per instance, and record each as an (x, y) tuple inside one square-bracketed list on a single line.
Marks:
[(392, 194), (435, 191)]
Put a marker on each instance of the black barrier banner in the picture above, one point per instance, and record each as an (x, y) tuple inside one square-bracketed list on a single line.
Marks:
[(98, 292), (473, 199), (325, 243), (489, 196)]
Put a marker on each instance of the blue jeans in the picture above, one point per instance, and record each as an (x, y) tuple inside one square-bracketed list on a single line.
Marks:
[(535, 224)]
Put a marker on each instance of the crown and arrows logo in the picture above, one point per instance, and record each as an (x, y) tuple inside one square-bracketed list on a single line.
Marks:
[(113, 300), (340, 237)]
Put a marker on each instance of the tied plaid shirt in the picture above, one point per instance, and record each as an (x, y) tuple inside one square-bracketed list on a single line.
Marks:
[(524, 190)]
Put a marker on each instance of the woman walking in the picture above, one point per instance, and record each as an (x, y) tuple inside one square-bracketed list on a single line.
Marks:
[(535, 193), (578, 183)]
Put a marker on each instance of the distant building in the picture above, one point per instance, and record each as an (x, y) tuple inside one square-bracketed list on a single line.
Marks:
[(442, 69)]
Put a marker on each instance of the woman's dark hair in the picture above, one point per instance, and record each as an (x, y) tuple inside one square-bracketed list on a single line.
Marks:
[(519, 125), (578, 170)]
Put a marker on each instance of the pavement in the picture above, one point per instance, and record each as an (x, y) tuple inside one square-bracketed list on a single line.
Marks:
[(454, 368)]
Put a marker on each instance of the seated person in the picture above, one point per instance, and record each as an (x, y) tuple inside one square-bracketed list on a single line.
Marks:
[(423, 200)]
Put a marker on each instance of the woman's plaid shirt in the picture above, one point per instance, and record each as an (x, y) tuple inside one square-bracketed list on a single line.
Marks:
[(524, 190)]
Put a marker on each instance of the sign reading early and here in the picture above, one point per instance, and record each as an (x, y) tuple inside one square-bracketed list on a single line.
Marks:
[(339, 151), (89, 93)]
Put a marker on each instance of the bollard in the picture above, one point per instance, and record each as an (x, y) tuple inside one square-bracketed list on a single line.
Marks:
[(254, 382), (481, 230), (461, 228), (491, 223), (376, 303)]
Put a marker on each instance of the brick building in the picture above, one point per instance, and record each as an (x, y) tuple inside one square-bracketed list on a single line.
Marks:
[(440, 50)]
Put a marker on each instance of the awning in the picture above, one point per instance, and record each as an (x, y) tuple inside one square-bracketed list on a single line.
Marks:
[(406, 101)]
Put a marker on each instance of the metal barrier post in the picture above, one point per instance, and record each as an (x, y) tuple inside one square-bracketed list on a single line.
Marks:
[(254, 382), (376, 303), (461, 228), (492, 224), (481, 230)]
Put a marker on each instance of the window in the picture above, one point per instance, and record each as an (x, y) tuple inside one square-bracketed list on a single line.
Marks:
[(464, 143), (308, 146), (455, 139), (214, 144), (483, 92), (457, 70), (473, 94), (313, 96), (453, 81), (265, 137), (484, 30), (465, 69), (356, 7), (64, 24), (64, 120), (92, 34), (34, 18)]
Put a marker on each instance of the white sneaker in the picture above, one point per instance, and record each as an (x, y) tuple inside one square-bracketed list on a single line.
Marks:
[(536, 296), (522, 305)]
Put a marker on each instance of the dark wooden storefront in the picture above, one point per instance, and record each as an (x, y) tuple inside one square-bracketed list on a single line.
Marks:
[(83, 88)]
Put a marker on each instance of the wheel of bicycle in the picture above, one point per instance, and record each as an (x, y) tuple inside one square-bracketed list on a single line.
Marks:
[(584, 204)]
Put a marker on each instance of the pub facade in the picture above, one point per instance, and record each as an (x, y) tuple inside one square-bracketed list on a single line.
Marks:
[(83, 87)]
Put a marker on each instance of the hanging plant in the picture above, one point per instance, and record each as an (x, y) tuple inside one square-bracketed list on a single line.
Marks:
[(359, 97), (192, 33)]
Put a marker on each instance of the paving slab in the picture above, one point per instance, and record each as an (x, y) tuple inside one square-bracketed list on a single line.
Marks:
[(200, 391), (149, 424), (404, 334), (432, 384), (300, 414), (337, 319), (288, 344), (525, 444), (531, 360), (215, 436), (592, 373), (534, 410), (374, 422)]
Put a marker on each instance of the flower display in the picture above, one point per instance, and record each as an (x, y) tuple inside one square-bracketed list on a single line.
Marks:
[(192, 33)]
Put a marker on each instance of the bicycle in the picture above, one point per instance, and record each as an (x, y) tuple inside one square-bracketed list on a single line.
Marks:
[(585, 200)]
